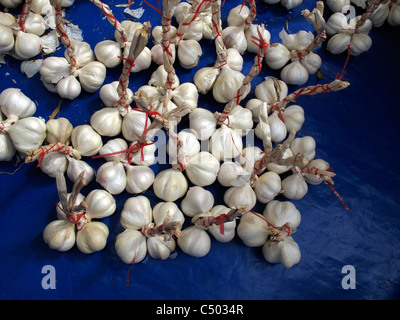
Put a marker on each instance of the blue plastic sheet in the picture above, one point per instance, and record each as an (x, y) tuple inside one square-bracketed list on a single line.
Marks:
[(356, 130)]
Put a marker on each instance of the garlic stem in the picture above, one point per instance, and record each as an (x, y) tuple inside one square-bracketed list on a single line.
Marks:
[(222, 56), (204, 222), (167, 228), (40, 152)]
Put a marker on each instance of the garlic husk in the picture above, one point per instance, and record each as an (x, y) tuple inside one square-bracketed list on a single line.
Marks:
[(159, 248), (6, 39), (10, 3), (294, 73), (304, 146), (267, 187), (227, 84), (189, 146), (290, 4), (142, 61), (53, 69), (360, 43), (238, 15), (134, 124), (277, 127), (294, 117), (335, 23), (254, 106), (394, 15), (27, 45), (249, 156), (202, 169), (108, 52), (225, 143), (277, 55), (112, 177), (240, 196), (38, 6), (180, 12), (157, 52), (170, 185), (92, 76), (107, 122), (116, 145), (147, 96), (337, 5), (252, 31), (76, 167), (240, 119), (278, 168), (170, 210), (27, 134), (297, 41), (130, 29), (271, 90), (229, 226), (205, 78), (202, 123), (15, 104), (92, 237), (58, 130), (338, 43), (69, 88), (156, 32), (197, 200), (194, 242), (189, 53), (87, 141), (194, 31), (136, 213), (186, 94), (232, 174), (138, 179), (286, 252), (59, 235), (234, 37), (100, 204), (7, 149), (34, 24), (252, 229), (294, 187), (109, 94), (130, 246), (159, 78), (54, 162), (280, 212), (319, 164)]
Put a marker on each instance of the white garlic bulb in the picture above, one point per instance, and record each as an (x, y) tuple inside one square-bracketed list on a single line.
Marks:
[(194, 242), (286, 252), (34, 23), (280, 212), (280, 168), (393, 17), (145, 156), (290, 4), (277, 128), (225, 143), (112, 177), (197, 200), (337, 5), (304, 146), (380, 14), (294, 117), (234, 59), (16, 105), (92, 237), (109, 94), (58, 130), (138, 179), (157, 52), (92, 76), (170, 210), (61, 215), (186, 94), (294, 187), (189, 53), (254, 105), (277, 55), (360, 43), (271, 90), (7, 149), (142, 61), (319, 164), (252, 229), (189, 147), (6, 39), (294, 73), (202, 123), (205, 78), (130, 28), (85, 140), (240, 119), (238, 15), (267, 187), (147, 96), (170, 185), (234, 37), (107, 122), (157, 32), (76, 167), (108, 52), (53, 69), (180, 12), (229, 226), (249, 156), (27, 45), (232, 174), (202, 169), (130, 246), (136, 213), (69, 88), (60, 235), (27, 134), (100, 204), (160, 248), (117, 146), (159, 78), (227, 84), (54, 162), (251, 33), (240, 196), (83, 53), (134, 124), (296, 41)]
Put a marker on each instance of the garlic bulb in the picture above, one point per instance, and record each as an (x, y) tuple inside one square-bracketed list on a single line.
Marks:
[(294, 73), (157, 32), (267, 187), (109, 94), (92, 76), (117, 146), (229, 226), (34, 23), (170, 210), (286, 252), (107, 122), (290, 4), (138, 179), (52, 163), (58, 130), (69, 88), (7, 19), (202, 123), (234, 59), (189, 147), (130, 246), (85, 140), (7, 149), (186, 94), (100, 204), (142, 61), (157, 52), (53, 69), (252, 32), (319, 164), (27, 134), (61, 214), (76, 167), (6, 39), (10, 3), (108, 52), (227, 84), (134, 124), (83, 53), (279, 168), (234, 37), (249, 156), (240, 196), (145, 156), (294, 187), (254, 105), (181, 10), (92, 237), (16, 105), (147, 96), (304, 146), (170, 185), (294, 117), (225, 143), (205, 78), (189, 53), (297, 41), (27, 45), (240, 119), (337, 5), (271, 90), (280, 212), (277, 127), (194, 242), (252, 229), (160, 248), (112, 177), (130, 28), (232, 174), (277, 55), (159, 78), (238, 15), (202, 169), (380, 14), (197, 200), (60, 235), (393, 17), (136, 213)]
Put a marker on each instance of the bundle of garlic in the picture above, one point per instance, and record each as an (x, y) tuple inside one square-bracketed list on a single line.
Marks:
[(75, 213), (288, 4)]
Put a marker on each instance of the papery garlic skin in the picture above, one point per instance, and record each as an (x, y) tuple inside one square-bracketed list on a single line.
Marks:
[(294, 187), (16, 105), (319, 164), (240, 196), (202, 123), (290, 4), (227, 84), (278, 168), (138, 179), (337, 5), (60, 235), (202, 169), (271, 90), (304, 146), (197, 200), (170, 185), (130, 29), (186, 94), (194, 242), (53, 69), (238, 15), (112, 177), (136, 213), (254, 105), (380, 14), (109, 94), (92, 237), (267, 187), (58, 130), (100, 204), (107, 122), (189, 53), (170, 210), (69, 88), (61, 215), (130, 246), (76, 167), (83, 53), (134, 124), (232, 174), (159, 248), (92, 76), (294, 73), (189, 147), (225, 143), (252, 229), (52, 163), (280, 212), (7, 149), (286, 252), (294, 117), (85, 140), (205, 78)]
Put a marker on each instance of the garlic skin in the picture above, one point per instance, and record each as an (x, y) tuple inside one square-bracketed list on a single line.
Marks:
[(138, 179), (297, 41), (227, 84), (76, 167), (253, 32), (58, 130), (53, 69), (249, 156), (277, 55), (134, 124), (130, 246), (278, 168), (337, 5), (252, 229), (7, 149), (69, 88), (112, 177), (108, 52), (170, 210), (319, 164), (271, 90), (159, 248), (294, 117), (229, 226), (294, 187), (59, 235), (92, 237), (290, 4), (234, 59), (254, 105), (92, 76), (100, 204), (240, 119), (189, 53), (225, 143), (267, 187), (16, 105), (197, 200), (157, 52), (234, 37), (159, 77), (85, 140), (294, 73), (286, 252), (232, 174), (280, 212), (116, 145), (170, 185), (189, 147), (194, 242), (205, 78), (304, 146), (202, 123), (107, 122), (83, 53), (27, 45), (240, 196), (52, 163), (202, 169), (6, 39), (136, 213), (186, 94), (109, 94), (27, 134)]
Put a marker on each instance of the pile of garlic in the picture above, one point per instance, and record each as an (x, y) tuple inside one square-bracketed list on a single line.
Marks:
[(288, 4)]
